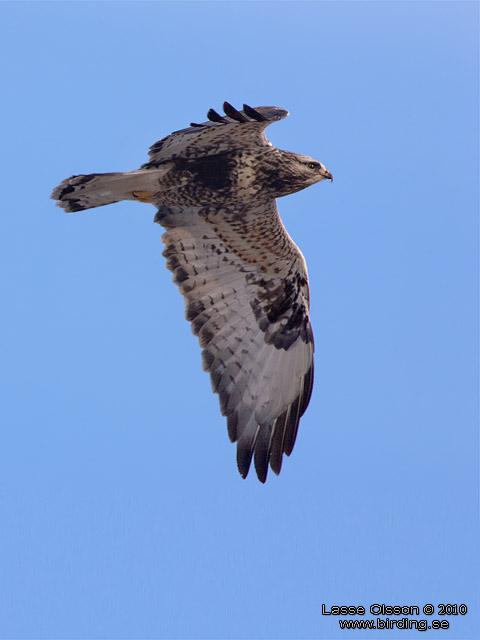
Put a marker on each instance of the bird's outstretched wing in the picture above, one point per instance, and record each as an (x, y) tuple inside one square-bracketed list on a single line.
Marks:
[(220, 133), (245, 287)]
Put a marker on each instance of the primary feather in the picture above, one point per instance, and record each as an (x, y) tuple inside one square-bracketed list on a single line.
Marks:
[(243, 279)]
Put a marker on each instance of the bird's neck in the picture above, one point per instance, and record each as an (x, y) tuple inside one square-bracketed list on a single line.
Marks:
[(285, 180)]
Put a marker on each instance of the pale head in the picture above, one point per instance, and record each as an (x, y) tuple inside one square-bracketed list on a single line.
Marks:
[(313, 170), (296, 172)]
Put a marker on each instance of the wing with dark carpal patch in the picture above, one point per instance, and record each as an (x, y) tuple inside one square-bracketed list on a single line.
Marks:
[(245, 287), (234, 130)]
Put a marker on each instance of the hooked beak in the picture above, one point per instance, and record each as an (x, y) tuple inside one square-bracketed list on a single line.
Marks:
[(326, 175)]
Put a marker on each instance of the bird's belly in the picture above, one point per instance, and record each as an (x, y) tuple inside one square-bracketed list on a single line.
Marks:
[(212, 180)]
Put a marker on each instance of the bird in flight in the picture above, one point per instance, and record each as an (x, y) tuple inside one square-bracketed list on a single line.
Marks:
[(243, 279)]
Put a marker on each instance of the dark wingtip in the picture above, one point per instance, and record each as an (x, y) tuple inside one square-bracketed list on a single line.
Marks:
[(244, 460), (307, 390), (252, 113), (244, 456), (232, 424), (215, 117), (262, 452), (262, 471), (231, 112), (292, 426), (276, 455)]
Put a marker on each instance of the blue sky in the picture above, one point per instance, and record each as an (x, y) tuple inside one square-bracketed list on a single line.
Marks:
[(123, 515)]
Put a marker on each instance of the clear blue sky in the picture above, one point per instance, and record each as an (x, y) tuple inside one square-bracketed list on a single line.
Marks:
[(122, 513)]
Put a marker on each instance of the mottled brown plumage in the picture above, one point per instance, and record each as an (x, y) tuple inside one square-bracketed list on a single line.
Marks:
[(243, 279)]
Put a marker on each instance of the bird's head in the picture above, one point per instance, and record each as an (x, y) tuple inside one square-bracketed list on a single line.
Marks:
[(313, 170), (297, 172)]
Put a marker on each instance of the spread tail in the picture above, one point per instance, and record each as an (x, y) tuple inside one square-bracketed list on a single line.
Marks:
[(97, 189)]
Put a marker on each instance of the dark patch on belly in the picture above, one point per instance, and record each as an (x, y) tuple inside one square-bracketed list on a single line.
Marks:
[(211, 172)]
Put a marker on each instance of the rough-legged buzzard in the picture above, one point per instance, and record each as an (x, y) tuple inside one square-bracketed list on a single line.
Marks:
[(243, 279)]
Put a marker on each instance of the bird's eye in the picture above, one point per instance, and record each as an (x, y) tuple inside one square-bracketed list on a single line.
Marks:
[(312, 165)]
